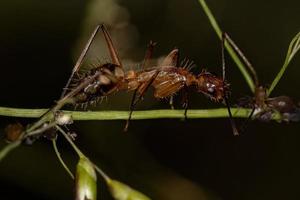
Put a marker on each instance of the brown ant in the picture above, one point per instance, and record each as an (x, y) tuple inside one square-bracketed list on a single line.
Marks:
[(263, 107), (167, 79)]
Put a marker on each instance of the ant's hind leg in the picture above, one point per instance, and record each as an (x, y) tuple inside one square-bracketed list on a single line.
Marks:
[(80, 60), (171, 102), (112, 50), (131, 108), (134, 101), (138, 96), (185, 103)]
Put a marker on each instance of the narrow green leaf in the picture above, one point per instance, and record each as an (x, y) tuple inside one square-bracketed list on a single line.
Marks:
[(292, 50)]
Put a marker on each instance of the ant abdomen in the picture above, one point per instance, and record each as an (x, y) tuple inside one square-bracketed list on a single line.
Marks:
[(102, 85)]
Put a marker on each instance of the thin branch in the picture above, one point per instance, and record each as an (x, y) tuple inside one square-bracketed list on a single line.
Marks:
[(8, 148), (119, 115), (137, 115), (60, 159)]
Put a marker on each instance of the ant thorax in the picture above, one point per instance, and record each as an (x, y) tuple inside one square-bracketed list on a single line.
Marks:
[(212, 86)]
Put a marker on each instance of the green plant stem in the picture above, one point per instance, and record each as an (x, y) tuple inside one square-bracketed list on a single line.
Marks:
[(60, 158), (79, 153), (231, 52), (123, 115), (120, 115), (102, 173), (8, 148), (44, 116)]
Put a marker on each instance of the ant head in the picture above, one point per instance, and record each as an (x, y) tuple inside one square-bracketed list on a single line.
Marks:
[(212, 86)]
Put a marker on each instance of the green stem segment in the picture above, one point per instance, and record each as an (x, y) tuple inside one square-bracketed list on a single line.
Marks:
[(8, 148), (123, 115), (229, 49), (61, 160)]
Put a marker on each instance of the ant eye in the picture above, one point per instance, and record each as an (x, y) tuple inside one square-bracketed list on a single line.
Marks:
[(210, 88)]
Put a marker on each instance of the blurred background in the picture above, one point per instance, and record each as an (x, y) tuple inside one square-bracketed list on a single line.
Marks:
[(165, 159)]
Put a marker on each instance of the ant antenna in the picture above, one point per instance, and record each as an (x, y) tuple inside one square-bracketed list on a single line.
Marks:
[(233, 125), (242, 55)]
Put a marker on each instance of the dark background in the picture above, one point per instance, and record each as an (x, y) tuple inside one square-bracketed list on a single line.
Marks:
[(165, 159)]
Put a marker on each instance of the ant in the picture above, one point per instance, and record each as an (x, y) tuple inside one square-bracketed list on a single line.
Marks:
[(167, 79), (264, 107)]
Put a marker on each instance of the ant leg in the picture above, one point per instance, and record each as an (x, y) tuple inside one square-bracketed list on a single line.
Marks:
[(185, 102), (233, 125), (112, 50), (76, 66), (145, 63), (171, 102), (142, 88), (223, 57), (226, 37), (80, 59), (131, 107), (247, 120)]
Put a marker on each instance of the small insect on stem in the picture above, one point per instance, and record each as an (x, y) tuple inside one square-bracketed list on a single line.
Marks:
[(264, 107)]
